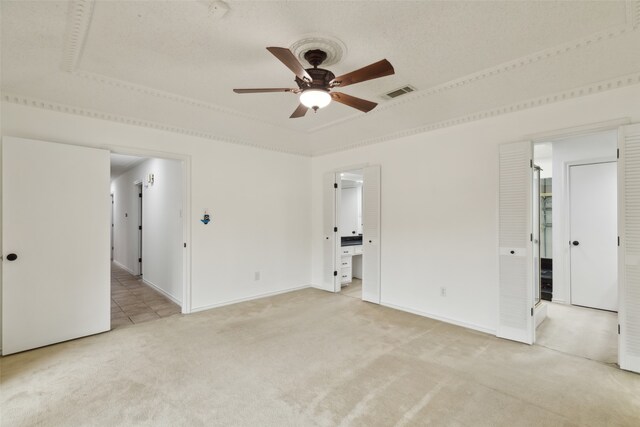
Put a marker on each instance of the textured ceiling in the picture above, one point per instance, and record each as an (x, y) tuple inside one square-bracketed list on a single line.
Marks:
[(121, 163), (174, 64)]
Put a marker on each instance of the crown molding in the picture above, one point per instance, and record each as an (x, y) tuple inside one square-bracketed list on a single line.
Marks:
[(623, 81), (80, 12), (633, 13), (78, 23), (68, 109), (133, 87), (619, 82), (632, 24), (78, 26)]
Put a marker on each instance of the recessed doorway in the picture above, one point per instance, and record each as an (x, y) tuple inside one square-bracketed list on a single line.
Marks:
[(575, 245), (351, 241), (147, 265)]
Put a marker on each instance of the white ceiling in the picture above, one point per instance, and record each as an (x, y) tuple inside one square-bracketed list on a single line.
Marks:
[(120, 163), (176, 64)]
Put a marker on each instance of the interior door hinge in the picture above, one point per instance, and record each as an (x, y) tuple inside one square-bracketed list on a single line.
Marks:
[(618, 329), (618, 240), (531, 237), (531, 163), (335, 273), (335, 229), (139, 259), (618, 153), (139, 194), (139, 227), (185, 245), (531, 311), (335, 185)]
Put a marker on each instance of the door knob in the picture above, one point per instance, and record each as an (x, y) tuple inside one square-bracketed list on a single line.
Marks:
[(575, 243), (12, 257)]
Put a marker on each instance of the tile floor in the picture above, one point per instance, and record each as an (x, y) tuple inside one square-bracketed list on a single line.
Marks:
[(132, 301)]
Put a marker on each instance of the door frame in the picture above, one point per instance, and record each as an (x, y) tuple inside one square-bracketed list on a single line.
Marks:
[(566, 215), (186, 210), (337, 244), (139, 216), (583, 130)]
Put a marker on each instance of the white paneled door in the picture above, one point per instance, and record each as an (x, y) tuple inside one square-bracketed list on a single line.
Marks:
[(516, 287), (330, 238), (371, 234), (55, 267), (594, 235), (629, 249)]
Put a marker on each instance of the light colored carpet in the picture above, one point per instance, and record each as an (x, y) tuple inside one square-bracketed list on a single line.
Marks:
[(580, 331), (353, 289), (309, 358)]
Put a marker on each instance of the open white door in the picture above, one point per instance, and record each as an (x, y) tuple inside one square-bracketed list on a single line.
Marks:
[(55, 202), (629, 247), (371, 234), (329, 233), (515, 307)]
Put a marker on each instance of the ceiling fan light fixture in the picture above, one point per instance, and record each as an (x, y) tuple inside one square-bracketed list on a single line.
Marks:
[(315, 98)]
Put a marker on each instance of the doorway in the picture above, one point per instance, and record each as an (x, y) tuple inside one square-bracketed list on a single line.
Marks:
[(140, 204), (147, 268), (350, 232), (575, 203), (351, 228)]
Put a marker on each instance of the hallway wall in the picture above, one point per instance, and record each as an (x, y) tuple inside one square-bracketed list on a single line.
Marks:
[(162, 246)]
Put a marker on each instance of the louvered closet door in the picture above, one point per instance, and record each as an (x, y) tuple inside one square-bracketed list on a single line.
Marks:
[(629, 250), (515, 320), (371, 234), (328, 234)]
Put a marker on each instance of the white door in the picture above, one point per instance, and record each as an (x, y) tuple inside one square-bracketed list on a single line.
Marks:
[(629, 250), (56, 222), (371, 234), (516, 296), (594, 235), (330, 281)]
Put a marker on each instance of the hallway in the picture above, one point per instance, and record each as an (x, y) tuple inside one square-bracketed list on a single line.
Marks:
[(132, 301)]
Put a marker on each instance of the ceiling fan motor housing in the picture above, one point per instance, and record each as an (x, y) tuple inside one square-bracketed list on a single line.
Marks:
[(321, 77)]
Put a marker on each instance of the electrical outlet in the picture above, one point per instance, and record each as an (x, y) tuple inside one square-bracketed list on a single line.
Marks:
[(443, 291), (256, 276)]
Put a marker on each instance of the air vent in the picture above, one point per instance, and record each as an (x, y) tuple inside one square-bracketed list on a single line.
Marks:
[(399, 92)]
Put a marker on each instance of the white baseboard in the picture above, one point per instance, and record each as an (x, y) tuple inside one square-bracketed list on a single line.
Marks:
[(320, 287), (250, 298), (559, 301), (125, 268), (162, 291), (442, 319)]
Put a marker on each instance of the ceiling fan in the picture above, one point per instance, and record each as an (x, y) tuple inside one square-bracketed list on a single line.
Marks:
[(315, 84)]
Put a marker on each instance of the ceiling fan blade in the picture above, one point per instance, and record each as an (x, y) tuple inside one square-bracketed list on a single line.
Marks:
[(290, 60), (352, 101), (265, 90), (300, 112), (370, 72)]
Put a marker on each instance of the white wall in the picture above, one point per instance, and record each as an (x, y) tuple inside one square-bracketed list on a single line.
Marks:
[(260, 216), (439, 205), (162, 223), (349, 210), (583, 149)]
